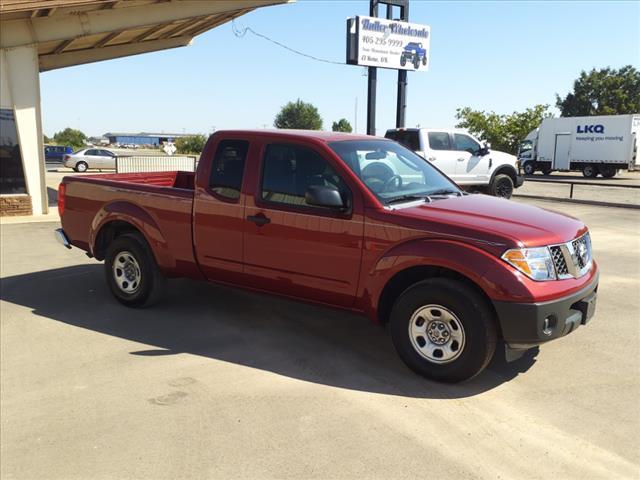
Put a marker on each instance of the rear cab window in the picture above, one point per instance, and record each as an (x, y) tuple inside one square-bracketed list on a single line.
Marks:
[(227, 169), (439, 141), (408, 138)]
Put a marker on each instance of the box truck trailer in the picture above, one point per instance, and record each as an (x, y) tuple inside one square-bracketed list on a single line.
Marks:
[(594, 145)]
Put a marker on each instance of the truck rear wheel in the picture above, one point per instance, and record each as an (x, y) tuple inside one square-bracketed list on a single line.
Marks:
[(132, 273), (443, 330), (607, 171), (501, 186), (589, 171)]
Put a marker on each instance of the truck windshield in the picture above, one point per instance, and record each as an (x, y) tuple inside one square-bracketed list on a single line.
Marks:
[(392, 172), (526, 145)]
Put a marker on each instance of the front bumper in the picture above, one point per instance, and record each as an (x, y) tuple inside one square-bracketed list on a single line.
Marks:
[(525, 325), (519, 181)]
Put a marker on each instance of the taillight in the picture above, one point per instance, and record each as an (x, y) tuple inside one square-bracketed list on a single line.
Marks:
[(62, 189)]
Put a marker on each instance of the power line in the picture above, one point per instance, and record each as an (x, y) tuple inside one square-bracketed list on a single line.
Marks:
[(241, 32)]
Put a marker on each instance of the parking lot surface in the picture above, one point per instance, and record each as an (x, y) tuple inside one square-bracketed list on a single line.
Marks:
[(220, 383)]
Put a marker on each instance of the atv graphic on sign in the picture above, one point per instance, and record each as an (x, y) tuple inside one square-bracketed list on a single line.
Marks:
[(413, 53)]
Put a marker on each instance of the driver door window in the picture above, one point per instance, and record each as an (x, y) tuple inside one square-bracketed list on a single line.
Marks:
[(289, 170), (465, 143)]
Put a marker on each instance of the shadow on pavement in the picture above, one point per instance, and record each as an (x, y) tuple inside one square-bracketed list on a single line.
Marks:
[(305, 342)]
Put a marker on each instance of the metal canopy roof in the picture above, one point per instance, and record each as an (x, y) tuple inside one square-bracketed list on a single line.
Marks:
[(72, 32)]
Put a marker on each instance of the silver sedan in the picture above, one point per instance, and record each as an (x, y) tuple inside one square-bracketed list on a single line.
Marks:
[(98, 158)]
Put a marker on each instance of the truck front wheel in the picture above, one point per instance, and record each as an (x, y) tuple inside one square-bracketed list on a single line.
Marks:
[(501, 186), (443, 330), (132, 273), (529, 168), (589, 171)]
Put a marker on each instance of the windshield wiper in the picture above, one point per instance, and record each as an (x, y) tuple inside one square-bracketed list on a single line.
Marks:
[(407, 198), (445, 191)]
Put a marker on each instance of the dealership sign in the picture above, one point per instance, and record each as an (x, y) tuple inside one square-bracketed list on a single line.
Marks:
[(377, 42)]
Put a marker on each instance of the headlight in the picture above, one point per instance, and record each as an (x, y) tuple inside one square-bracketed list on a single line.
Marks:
[(535, 263)]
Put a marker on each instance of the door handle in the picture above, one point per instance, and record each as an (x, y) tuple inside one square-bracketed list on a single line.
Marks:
[(259, 220), (461, 159)]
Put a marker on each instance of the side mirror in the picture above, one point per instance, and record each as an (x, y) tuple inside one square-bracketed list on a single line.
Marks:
[(484, 150), (321, 196)]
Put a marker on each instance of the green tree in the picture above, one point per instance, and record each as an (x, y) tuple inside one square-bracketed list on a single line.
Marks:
[(191, 144), (342, 125), (46, 139), (603, 92), (298, 115), (71, 137), (504, 132)]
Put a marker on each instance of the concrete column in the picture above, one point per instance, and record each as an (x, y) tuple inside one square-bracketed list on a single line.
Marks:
[(20, 77)]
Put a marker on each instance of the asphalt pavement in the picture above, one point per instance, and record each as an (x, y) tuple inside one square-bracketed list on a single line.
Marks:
[(220, 383)]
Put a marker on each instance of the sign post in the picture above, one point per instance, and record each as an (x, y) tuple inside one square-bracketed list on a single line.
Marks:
[(387, 43)]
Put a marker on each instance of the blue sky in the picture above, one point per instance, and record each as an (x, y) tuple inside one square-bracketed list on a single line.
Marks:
[(500, 56)]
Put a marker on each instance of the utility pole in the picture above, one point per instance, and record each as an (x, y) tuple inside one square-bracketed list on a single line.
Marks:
[(401, 104)]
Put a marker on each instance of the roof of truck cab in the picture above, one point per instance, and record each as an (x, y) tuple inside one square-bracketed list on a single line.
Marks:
[(313, 134)]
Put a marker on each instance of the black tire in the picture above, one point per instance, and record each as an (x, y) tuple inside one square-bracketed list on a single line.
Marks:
[(81, 167), (403, 61), (416, 62), (529, 168), (589, 171), (501, 186), (607, 171), (151, 281), (424, 60), (470, 310)]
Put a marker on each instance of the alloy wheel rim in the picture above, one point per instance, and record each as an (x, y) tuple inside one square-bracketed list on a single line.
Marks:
[(126, 272), (436, 334), (503, 189)]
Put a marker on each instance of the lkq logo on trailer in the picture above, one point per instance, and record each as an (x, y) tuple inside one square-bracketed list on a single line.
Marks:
[(590, 128), (378, 42)]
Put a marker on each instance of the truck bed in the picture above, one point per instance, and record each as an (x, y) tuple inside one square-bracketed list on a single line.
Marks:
[(182, 180), (165, 199)]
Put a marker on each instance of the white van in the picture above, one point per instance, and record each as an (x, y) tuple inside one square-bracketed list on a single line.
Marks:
[(463, 158)]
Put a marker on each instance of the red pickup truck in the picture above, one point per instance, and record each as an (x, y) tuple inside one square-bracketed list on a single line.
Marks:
[(355, 222)]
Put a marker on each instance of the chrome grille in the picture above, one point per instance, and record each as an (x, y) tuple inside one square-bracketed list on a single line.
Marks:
[(572, 259), (559, 261)]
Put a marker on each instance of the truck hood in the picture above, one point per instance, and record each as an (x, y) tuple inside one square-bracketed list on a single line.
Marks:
[(492, 221), (501, 158)]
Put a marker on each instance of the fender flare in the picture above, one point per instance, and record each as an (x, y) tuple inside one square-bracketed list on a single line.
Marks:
[(141, 220), (513, 173), (485, 270)]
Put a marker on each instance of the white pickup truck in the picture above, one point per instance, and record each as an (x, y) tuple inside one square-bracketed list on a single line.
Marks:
[(463, 158)]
